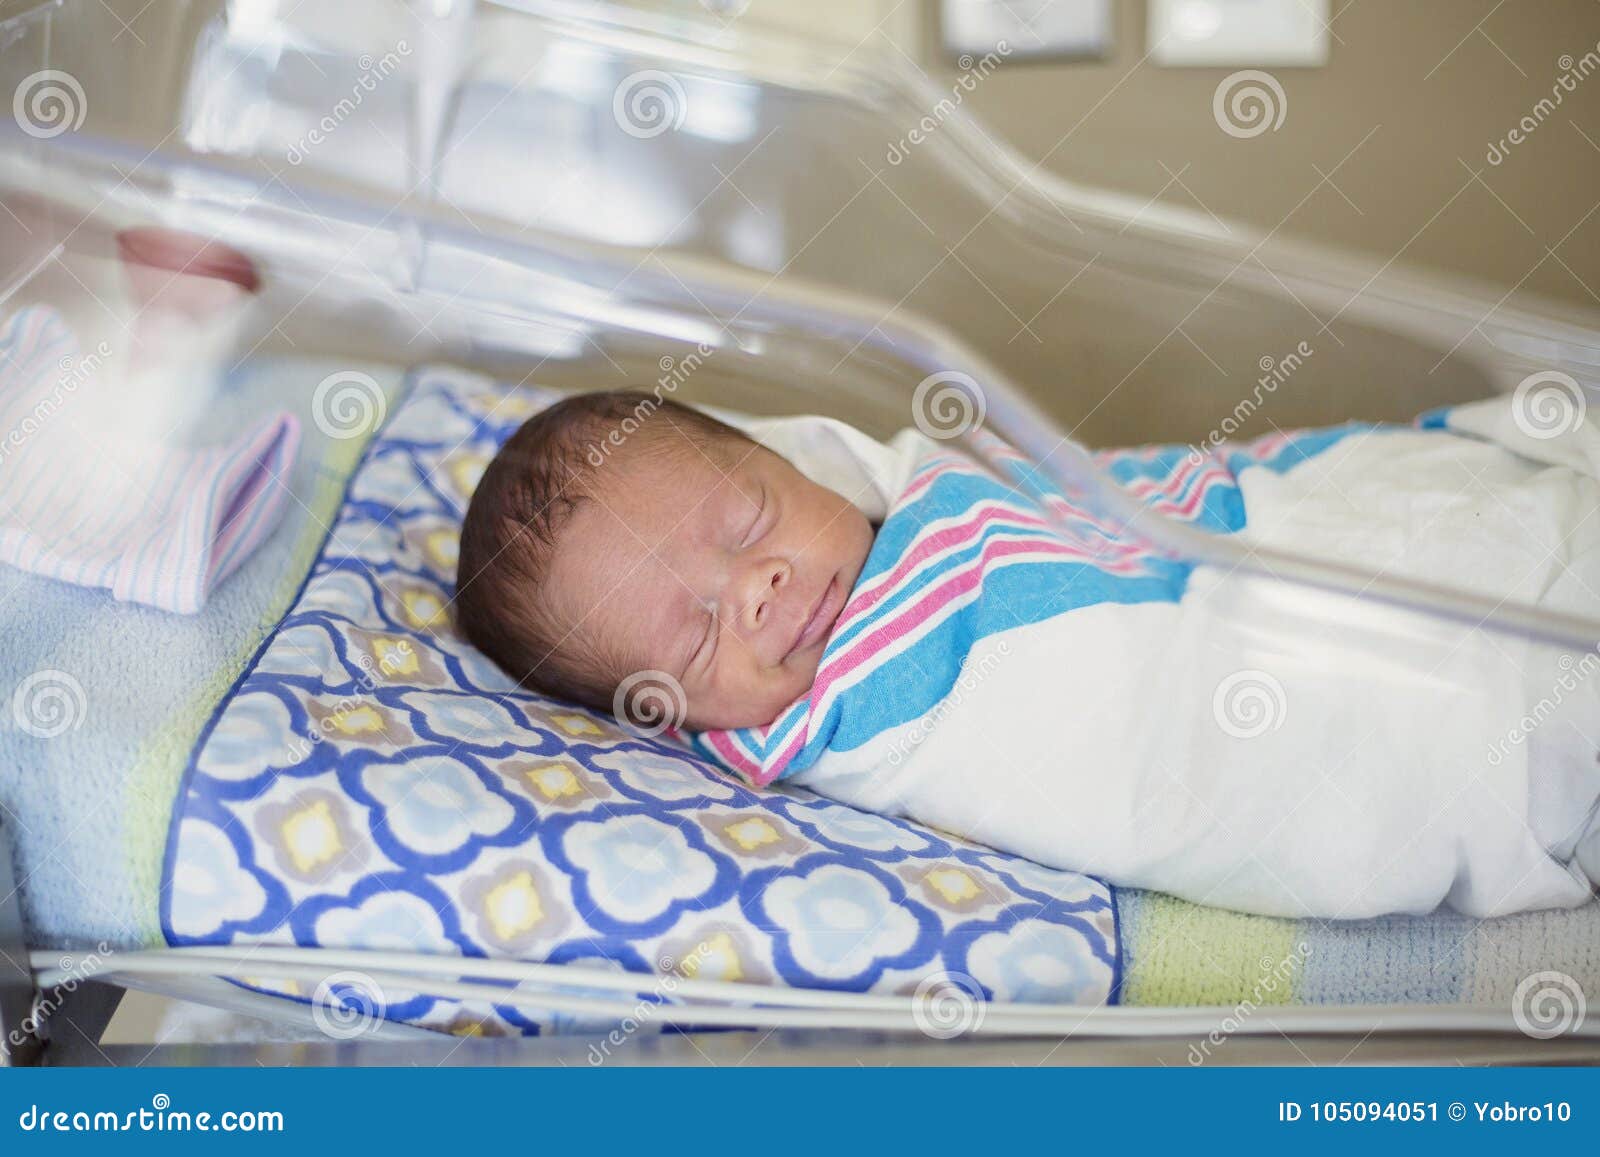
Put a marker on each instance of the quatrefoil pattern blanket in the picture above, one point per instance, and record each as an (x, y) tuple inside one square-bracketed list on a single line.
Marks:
[(371, 782)]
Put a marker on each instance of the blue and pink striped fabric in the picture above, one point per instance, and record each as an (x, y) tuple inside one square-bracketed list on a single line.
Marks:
[(152, 522), (964, 555)]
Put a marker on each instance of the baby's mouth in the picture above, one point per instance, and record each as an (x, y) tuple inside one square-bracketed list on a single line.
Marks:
[(821, 619)]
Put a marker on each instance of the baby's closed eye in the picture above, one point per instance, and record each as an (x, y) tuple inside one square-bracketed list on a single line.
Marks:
[(708, 635), (758, 522)]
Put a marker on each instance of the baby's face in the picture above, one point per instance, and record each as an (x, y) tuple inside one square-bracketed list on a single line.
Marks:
[(727, 571)]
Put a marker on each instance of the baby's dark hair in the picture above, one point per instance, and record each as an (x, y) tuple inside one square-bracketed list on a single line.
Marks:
[(509, 537)]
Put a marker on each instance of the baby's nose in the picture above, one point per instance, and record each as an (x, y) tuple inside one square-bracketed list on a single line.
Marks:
[(767, 582)]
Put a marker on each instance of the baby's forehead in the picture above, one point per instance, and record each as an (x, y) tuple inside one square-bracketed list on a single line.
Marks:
[(673, 444), (675, 474), (626, 574), (647, 506)]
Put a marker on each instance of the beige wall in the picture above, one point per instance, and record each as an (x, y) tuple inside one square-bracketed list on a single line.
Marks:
[(1413, 95), (1414, 92)]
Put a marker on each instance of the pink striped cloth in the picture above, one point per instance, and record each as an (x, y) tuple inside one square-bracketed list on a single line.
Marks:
[(152, 522), (969, 552)]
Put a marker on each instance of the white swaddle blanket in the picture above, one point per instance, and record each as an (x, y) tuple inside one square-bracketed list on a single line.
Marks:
[(1258, 745)]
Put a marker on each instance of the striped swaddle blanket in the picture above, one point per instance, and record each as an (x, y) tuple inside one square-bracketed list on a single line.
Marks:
[(964, 555), (151, 521)]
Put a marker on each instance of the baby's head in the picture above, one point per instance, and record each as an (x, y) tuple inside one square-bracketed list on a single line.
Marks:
[(618, 532)]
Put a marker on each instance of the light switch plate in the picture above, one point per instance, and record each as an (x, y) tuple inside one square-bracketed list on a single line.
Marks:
[(1231, 33), (1030, 28)]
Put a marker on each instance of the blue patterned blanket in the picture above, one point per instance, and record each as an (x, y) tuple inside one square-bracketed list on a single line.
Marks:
[(372, 782)]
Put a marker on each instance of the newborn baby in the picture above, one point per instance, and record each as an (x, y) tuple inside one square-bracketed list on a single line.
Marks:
[(681, 547), (896, 628)]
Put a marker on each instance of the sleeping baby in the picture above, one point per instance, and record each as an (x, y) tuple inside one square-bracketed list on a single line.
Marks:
[(895, 627)]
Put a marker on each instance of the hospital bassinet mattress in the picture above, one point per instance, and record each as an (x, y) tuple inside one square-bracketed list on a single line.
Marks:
[(439, 808)]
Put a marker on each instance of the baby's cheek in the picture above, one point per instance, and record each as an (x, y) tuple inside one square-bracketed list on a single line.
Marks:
[(798, 676)]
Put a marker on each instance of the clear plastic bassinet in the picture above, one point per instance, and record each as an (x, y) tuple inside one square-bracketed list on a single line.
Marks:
[(581, 197), (597, 193)]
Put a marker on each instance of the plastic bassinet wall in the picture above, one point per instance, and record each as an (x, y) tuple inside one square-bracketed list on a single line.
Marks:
[(585, 195), (1114, 316)]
